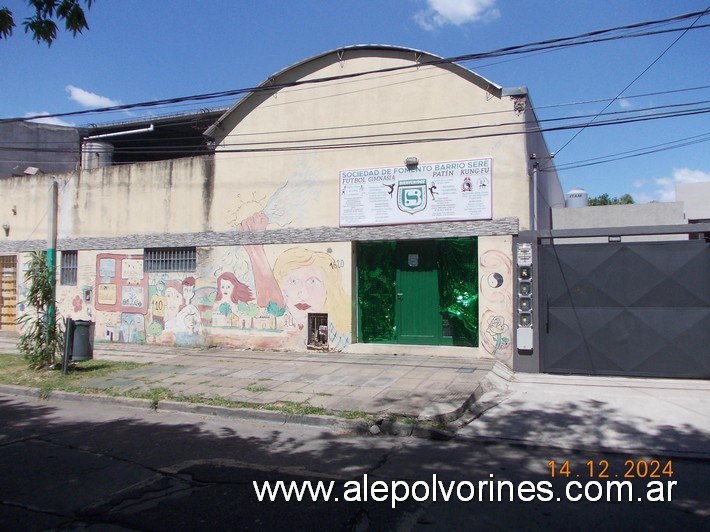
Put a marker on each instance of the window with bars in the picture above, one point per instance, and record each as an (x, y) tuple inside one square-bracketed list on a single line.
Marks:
[(68, 268), (157, 260)]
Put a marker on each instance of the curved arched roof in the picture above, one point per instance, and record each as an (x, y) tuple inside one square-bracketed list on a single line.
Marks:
[(418, 58)]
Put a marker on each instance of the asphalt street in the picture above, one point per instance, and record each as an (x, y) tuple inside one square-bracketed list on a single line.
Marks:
[(88, 466)]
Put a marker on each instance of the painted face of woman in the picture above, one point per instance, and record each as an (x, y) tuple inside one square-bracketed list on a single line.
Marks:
[(226, 287), (304, 291)]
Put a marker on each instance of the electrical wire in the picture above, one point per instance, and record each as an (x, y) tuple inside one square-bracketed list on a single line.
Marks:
[(564, 42), (636, 78), (648, 150), (611, 118), (9, 144)]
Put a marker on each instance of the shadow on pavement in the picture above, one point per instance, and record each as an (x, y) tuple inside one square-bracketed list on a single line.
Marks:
[(589, 425), (83, 467)]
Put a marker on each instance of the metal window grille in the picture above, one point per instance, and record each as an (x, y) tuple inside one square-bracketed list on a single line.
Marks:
[(69, 268), (170, 260)]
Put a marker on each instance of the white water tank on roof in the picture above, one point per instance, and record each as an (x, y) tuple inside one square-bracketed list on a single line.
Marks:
[(577, 197), (96, 155)]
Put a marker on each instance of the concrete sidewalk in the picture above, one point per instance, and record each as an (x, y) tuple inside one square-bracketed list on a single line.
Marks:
[(424, 387), (488, 401), (633, 416)]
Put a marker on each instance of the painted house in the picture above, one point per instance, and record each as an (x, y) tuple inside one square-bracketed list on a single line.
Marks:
[(365, 199)]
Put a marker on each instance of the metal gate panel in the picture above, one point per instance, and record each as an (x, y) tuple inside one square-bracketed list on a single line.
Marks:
[(638, 309)]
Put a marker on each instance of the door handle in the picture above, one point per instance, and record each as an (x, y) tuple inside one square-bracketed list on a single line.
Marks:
[(400, 296)]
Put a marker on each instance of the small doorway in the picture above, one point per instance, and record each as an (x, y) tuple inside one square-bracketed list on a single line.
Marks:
[(417, 298), (420, 292), (8, 293)]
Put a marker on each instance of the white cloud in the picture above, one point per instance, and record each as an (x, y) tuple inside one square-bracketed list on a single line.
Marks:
[(457, 12), (643, 198), (625, 104), (89, 99), (666, 192), (52, 120)]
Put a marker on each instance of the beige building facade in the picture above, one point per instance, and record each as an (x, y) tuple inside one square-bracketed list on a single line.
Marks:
[(363, 199)]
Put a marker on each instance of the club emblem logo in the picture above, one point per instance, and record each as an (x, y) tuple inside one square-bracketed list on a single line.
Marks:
[(411, 195)]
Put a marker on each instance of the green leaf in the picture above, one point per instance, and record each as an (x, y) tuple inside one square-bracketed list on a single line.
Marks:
[(6, 23), (41, 342)]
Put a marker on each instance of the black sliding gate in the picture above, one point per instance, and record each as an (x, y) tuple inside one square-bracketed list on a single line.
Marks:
[(632, 309)]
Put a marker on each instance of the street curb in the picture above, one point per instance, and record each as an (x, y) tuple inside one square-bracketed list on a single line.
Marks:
[(22, 391), (133, 402), (357, 426), (271, 416), (360, 427)]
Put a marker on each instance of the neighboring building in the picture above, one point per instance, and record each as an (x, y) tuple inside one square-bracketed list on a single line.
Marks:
[(692, 206), (696, 199), (364, 212), (28, 148), (615, 216)]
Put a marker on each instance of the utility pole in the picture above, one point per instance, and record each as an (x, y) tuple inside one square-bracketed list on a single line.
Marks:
[(534, 192), (52, 250)]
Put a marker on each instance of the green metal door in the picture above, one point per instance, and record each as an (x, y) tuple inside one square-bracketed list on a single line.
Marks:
[(418, 292), (417, 300)]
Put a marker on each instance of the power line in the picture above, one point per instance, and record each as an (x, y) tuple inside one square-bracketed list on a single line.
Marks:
[(466, 137), (648, 150), (585, 38), (56, 146), (612, 118), (635, 79), (577, 164), (462, 128), (8, 144)]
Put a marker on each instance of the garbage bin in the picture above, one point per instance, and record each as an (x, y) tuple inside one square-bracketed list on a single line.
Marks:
[(83, 345)]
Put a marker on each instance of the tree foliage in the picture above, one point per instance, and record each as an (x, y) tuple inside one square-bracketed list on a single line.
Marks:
[(605, 199), (45, 17), (41, 342)]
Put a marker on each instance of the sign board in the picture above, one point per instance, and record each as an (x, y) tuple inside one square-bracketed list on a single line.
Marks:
[(525, 254), (436, 192)]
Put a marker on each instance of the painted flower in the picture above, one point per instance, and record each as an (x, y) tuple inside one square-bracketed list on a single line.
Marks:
[(496, 326)]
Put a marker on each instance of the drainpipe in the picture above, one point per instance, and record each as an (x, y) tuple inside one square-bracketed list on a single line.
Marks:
[(119, 133)]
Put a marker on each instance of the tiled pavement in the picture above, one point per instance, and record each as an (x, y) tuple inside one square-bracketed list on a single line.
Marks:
[(422, 386), (631, 415)]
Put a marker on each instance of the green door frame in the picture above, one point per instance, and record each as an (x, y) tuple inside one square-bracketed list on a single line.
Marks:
[(417, 311), (418, 292)]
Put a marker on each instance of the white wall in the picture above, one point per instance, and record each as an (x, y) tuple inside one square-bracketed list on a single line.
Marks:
[(643, 214), (696, 197)]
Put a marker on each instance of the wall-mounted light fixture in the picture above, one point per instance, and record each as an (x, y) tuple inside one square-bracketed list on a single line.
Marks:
[(6, 228), (614, 239), (411, 162)]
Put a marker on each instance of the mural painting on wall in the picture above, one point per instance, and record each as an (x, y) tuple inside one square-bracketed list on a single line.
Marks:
[(173, 315), (496, 317), (293, 281), (121, 289), (250, 296), (240, 296)]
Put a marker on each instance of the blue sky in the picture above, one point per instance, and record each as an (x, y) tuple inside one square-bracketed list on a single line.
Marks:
[(145, 50)]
